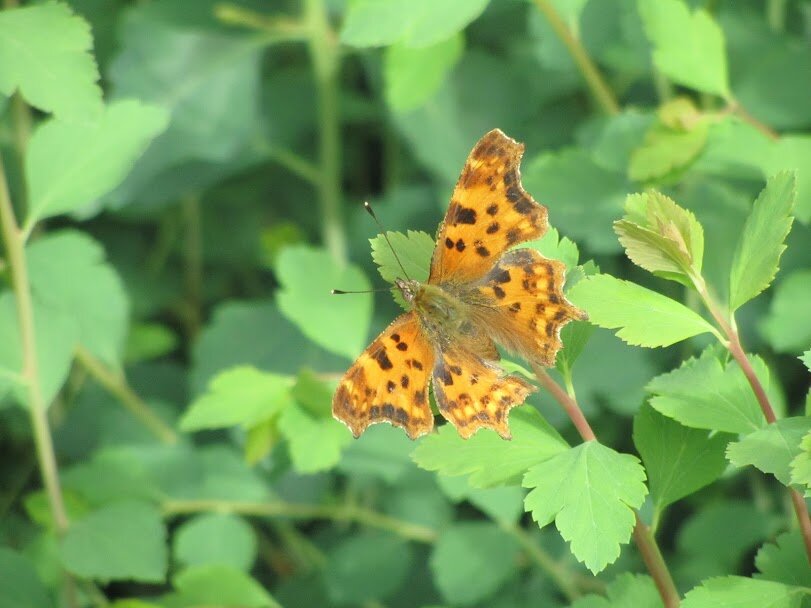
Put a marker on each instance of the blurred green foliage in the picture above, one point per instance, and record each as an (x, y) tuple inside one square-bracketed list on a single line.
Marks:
[(185, 183)]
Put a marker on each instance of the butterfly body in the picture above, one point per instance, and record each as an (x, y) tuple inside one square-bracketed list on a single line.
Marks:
[(477, 294)]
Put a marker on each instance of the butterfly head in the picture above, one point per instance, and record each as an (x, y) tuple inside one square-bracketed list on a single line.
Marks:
[(409, 288)]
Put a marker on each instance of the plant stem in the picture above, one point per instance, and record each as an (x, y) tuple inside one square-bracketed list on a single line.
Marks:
[(733, 344), (15, 254), (594, 79), (117, 385), (324, 53), (738, 110), (404, 529), (645, 542)]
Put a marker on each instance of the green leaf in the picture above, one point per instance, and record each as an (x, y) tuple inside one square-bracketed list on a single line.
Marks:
[(413, 75), (644, 317), (806, 358), (240, 395), (382, 451), (705, 394), (414, 250), (556, 247), (365, 567), (415, 23), (70, 165), (19, 583), (215, 538), (488, 459), (678, 460), (801, 464), (740, 592), (504, 505), (147, 341), (784, 561), (761, 244), (69, 274), (666, 151), (340, 324), (315, 444), (45, 51), (626, 591), (122, 541), (55, 335), (313, 394), (470, 561), (661, 237), (220, 585), (788, 325), (689, 48), (793, 153), (771, 449), (590, 491)]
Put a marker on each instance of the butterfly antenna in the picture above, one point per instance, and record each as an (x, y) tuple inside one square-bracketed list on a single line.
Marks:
[(340, 292), (371, 212)]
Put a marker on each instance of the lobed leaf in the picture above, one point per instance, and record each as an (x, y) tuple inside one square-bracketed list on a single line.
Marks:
[(784, 560), (762, 243), (773, 448), (643, 317), (590, 491), (488, 459)]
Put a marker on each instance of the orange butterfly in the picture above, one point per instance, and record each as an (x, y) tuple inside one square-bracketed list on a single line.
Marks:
[(477, 293)]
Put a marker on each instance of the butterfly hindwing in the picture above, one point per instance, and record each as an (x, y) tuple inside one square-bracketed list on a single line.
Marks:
[(489, 212), (389, 382)]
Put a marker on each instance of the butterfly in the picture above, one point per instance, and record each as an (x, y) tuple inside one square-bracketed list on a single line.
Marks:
[(479, 292)]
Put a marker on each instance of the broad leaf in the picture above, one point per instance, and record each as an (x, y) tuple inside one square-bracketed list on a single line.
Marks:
[(679, 460), (122, 541), (626, 591), (761, 244), (219, 585), (784, 560), (771, 449), (19, 583), (315, 443), (215, 538), (488, 459), (414, 250), (741, 592), (703, 393), (788, 324), (643, 317), (240, 395), (590, 491), (45, 52), (689, 46), (470, 561), (70, 165), (340, 324)]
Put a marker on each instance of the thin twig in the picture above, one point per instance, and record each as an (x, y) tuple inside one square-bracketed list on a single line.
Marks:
[(594, 79), (645, 542)]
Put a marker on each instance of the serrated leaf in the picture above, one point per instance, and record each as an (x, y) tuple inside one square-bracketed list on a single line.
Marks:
[(784, 561), (470, 561), (801, 464), (643, 317), (349, 564), (762, 243), (678, 460), (69, 274), (219, 585), (414, 250), (689, 47), (556, 247), (705, 394), (806, 359), (661, 237), (787, 327), (315, 444), (772, 449), (415, 23), (121, 541), (70, 165), (590, 491), (19, 583), (46, 52), (488, 459), (240, 395), (741, 592), (626, 591), (413, 75), (215, 538), (340, 324)]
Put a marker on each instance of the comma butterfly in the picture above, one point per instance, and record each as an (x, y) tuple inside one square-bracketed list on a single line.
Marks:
[(477, 294)]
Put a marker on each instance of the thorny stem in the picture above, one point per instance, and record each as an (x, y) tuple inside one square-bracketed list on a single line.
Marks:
[(594, 79), (325, 58), (733, 344), (117, 385), (37, 407), (645, 542)]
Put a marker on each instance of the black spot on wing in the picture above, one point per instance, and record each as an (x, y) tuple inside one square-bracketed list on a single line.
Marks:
[(383, 359)]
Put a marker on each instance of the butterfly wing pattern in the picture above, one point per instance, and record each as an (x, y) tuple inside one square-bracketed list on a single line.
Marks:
[(477, 292)]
